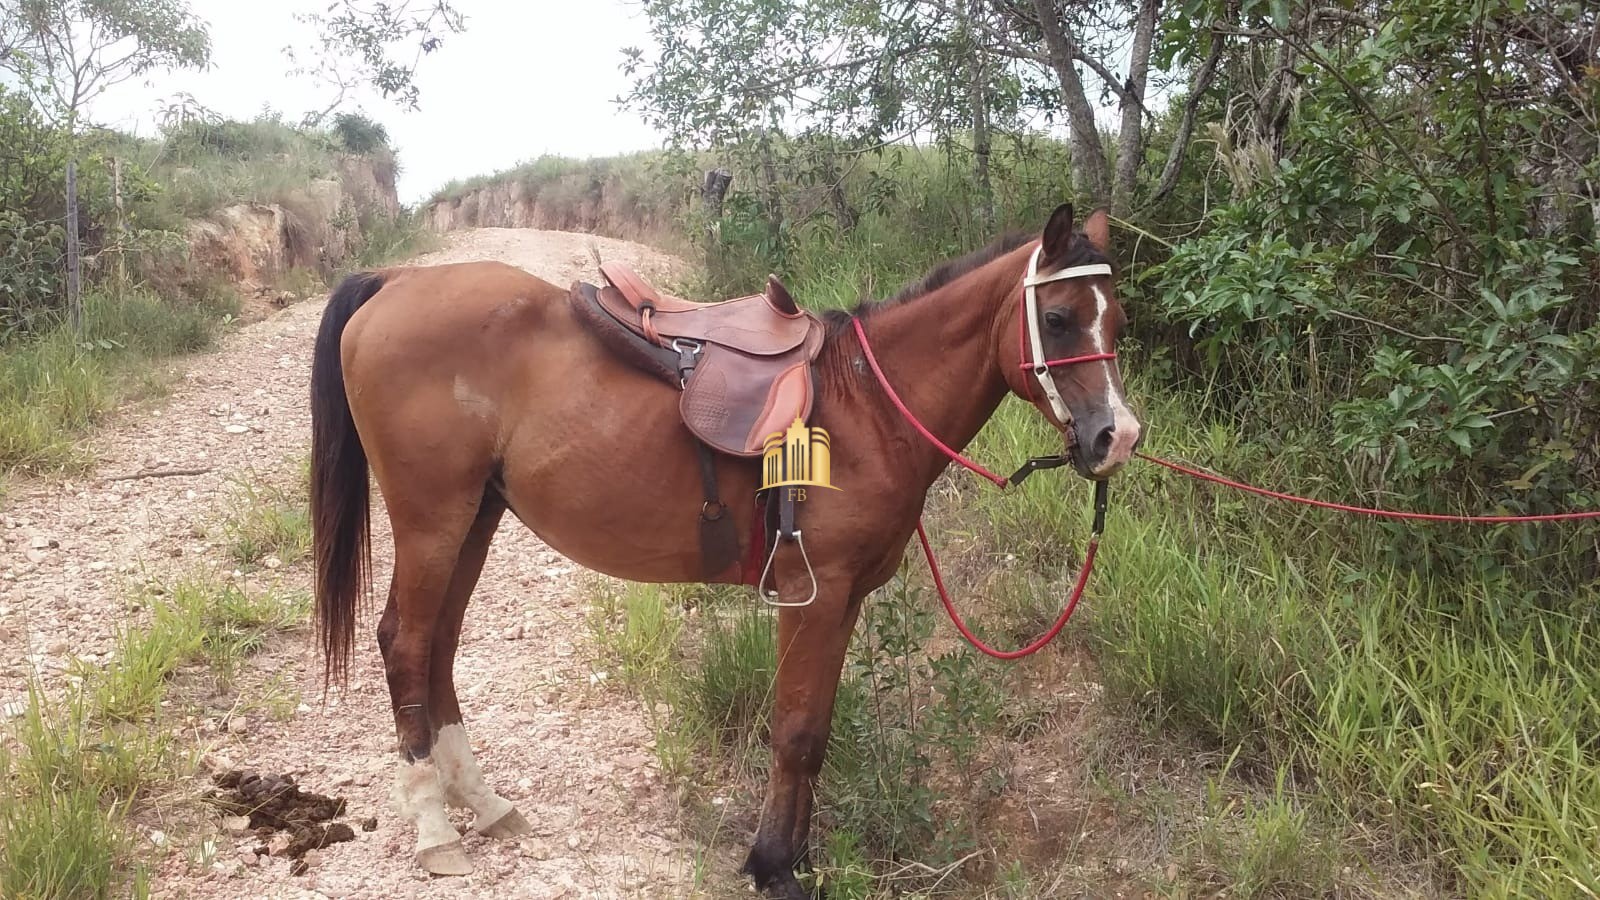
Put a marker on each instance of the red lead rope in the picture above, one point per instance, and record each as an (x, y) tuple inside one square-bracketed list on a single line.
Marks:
[(1367, 510)]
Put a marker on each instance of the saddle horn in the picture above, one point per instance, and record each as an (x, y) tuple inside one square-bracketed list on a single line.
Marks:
[(778, 296)]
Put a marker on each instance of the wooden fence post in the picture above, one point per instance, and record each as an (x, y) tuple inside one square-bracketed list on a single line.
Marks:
[(122, 225), (712, 195), (74, 251)]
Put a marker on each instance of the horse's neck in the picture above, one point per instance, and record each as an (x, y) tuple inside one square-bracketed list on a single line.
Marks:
[(939, 352)]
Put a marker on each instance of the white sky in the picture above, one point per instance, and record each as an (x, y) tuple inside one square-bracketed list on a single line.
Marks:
[(526, 78)]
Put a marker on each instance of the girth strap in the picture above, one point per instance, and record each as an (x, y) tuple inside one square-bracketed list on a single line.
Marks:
[(719, 535)]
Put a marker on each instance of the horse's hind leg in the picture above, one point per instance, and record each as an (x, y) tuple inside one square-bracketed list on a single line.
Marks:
[(459, 773), (429, 532)]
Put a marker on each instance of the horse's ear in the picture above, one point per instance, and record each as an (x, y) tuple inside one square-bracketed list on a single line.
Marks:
[(1097, 228), (778, 296), (1058, 231)]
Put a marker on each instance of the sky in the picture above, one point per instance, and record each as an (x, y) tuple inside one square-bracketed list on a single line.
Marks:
[(528, 77)]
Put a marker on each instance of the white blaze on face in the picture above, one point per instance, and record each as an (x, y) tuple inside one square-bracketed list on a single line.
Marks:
[(1125, 424)]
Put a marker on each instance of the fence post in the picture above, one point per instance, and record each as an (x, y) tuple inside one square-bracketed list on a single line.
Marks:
[(712, 194), (122, 227), (74, 252)]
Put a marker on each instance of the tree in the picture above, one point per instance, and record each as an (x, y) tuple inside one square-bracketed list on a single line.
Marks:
[(376, 45), (872, 73), (66, 52)]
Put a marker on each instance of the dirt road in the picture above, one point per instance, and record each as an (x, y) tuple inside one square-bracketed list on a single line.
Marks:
[(574, 756)]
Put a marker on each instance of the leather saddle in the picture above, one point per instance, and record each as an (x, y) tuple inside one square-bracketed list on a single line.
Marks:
[(744, 365)]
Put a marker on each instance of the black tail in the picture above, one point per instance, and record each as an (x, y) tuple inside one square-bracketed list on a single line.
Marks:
[(340, 528)]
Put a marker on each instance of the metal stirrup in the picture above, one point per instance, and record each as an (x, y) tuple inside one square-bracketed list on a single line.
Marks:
[(767, 596)]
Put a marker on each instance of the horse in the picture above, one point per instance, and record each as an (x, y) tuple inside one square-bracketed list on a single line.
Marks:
[(471, 389)]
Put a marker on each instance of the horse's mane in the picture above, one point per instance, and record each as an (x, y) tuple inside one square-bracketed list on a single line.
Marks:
[(937, 277), (1080, 253)]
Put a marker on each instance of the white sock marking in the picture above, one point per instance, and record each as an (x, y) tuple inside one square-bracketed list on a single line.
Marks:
[(419, 797), (462, 779)]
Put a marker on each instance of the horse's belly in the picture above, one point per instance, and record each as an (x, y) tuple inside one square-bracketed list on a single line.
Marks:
[(612, 482)]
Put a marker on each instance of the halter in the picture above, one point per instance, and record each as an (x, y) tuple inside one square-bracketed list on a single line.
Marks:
[(1031, 340)]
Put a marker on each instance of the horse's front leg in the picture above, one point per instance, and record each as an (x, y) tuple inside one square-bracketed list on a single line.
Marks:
[(811, 647)]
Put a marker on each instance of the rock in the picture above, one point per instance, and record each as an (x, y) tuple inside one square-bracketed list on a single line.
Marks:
[(237, 429), (238, 725), (237, 826), (513, 633), (40, 542), (272, 562), (312, 859), (573, 841), (215, 762), (249, 857), (56, 647), (370, 823), (35, 556)]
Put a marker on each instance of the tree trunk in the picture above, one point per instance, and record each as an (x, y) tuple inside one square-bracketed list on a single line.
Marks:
[(1130, 140), (982, 143), (1180, 141), (843, 213), (769, 188), (1091, 174), (74, 251)]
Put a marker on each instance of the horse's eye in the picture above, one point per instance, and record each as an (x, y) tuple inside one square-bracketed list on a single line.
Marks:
[(1055, 321)]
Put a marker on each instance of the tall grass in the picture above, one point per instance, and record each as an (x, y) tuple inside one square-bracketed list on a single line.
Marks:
[(55, 386)]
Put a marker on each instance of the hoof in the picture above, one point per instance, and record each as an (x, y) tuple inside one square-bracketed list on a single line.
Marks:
[(510, 825), (445, 859)]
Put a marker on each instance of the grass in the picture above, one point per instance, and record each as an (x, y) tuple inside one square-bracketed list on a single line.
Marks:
[(267, 524), (55, 387), (78, 764)]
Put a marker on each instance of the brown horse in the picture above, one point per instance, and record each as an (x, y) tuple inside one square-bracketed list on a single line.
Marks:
[(472, 389)]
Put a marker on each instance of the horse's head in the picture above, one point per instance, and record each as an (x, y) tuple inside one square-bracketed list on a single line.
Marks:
[(1064, 363)]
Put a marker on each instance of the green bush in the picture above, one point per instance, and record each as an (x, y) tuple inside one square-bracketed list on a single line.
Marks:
[(358, 134)]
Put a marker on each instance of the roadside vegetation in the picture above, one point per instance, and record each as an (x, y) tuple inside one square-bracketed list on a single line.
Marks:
[(145, 299), (84, 761)]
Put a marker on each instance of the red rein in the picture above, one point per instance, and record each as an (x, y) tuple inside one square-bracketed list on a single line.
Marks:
[(922, 535)]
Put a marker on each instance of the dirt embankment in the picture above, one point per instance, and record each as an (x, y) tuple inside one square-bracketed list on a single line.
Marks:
[(318, 227), (590, 202)]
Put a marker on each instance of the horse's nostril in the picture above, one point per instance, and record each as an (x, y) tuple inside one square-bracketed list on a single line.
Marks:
[(1102, 442)]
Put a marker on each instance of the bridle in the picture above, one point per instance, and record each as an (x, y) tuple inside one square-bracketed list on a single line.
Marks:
[(1031, 337)]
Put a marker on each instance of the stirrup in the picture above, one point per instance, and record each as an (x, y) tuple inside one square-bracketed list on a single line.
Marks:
[(767, 596)]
